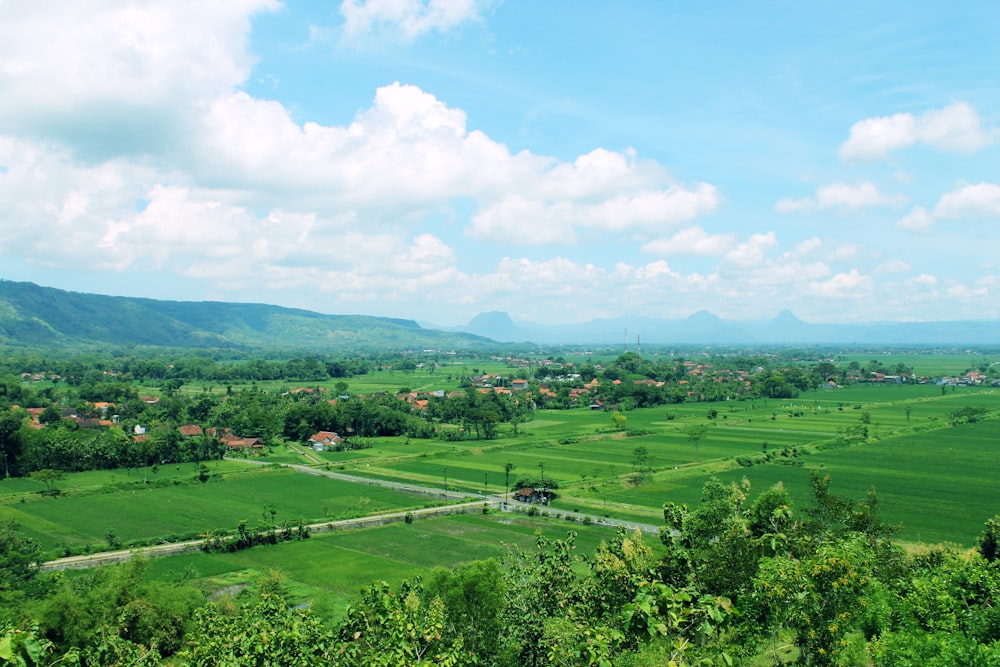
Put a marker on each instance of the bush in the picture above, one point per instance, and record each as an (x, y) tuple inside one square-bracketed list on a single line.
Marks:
[(744, 462)]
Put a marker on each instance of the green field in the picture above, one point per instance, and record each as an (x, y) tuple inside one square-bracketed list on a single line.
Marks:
[(11, 487), (594, 465), (938, 486), (330, 569), (190, 509)]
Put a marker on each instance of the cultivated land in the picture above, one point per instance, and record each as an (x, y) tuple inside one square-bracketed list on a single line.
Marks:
[(935, 480), (927, 473), (328, 570)]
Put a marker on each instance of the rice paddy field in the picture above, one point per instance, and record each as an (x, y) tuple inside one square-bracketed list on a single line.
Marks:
[(329, 570), (927, 473), (184, 511)]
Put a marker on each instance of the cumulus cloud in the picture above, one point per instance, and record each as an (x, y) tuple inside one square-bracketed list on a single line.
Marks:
[(981, 200), (118, 75), (968, 202), (843, 197), (851, 284), (753, 251), (893, 266), (691, 241), (916, 220), (954, 128), (538, 221), (408, 18)]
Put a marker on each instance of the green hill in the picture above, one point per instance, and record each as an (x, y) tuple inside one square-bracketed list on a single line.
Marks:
[(34, 316)]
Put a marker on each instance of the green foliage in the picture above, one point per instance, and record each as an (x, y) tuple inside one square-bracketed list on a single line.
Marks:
[(25, 648), (263, 630), (387, 628), (118, 603), (19, 556), (473, 598), (989, 541)]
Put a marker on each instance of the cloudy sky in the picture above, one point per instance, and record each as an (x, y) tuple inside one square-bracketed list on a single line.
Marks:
[(561, 161)]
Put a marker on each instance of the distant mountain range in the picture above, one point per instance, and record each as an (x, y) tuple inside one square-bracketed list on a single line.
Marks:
[(705, 328), (34, 316)]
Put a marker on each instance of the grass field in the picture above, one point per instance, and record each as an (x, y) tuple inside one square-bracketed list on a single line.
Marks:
[(185, 510), (331, 569), (594, 466), (938, 486), (95, 479)]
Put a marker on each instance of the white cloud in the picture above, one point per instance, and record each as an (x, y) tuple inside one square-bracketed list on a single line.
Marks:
[(852, 284), (917, 219), (924, 280), (954, 128), (525, 222), (808, 247), (893, 266), (971, 201), (966, 293), (875, 138), (753, 251), (691, 241), (108, 75), (841, 196), (408, 18), (979, 201)]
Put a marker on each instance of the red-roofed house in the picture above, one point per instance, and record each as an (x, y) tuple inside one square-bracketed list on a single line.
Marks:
[(324, 440)]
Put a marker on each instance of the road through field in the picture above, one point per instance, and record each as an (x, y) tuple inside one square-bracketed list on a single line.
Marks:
[(471, 504)]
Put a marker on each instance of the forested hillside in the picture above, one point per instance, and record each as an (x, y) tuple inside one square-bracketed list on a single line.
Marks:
[(34, 316)]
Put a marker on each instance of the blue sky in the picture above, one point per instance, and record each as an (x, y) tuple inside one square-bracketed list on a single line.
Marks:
[(561, 161)]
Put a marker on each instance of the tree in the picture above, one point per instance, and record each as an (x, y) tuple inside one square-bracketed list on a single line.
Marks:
[(10, 442), (49, 477), (506, 479), (50, 415), (267, 631), (387, 628), (695, 434), (989, 541), (640, 456), (19, 556), (821, 598), (619, 420), (473, 598)]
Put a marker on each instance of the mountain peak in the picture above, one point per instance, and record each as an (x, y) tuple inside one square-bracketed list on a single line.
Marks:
[(787, 317), (704, 317), (495, 324), (491, 318)]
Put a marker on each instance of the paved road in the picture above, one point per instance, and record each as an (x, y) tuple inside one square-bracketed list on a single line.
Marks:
[(471, 503)]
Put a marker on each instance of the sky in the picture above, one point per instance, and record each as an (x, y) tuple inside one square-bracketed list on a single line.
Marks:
[(560, 161)]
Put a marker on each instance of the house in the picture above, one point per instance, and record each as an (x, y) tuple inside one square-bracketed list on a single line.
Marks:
[(530, 495), (324, 440), (189, 430), (525, 495), (518, 385), (232, 442)]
